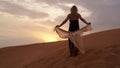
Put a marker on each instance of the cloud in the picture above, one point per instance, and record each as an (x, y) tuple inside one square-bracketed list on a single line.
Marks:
[(50, 2), (12, 8), (105, 14), (104, 11)]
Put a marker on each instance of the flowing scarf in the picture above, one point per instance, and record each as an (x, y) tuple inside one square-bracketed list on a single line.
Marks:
[(75, 36)]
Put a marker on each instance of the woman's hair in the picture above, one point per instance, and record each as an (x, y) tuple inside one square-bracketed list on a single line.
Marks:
[(74, 9)]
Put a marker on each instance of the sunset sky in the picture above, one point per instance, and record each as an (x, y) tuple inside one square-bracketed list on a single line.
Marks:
[(32, 21)]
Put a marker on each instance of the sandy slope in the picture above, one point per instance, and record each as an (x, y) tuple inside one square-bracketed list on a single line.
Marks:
[(103, 51)]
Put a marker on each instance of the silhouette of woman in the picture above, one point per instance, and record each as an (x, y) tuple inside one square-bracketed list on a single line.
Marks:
[(73, 17)]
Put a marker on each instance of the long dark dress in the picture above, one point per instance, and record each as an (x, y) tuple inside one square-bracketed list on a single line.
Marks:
[(73, 26)]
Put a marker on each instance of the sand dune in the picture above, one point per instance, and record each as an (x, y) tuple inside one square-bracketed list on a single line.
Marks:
[(103, 51)]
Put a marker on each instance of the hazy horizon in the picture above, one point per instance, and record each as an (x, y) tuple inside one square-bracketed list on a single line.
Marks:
[(33, 21)]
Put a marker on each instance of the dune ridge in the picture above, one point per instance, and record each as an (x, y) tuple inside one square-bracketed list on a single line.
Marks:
[(103, 51)]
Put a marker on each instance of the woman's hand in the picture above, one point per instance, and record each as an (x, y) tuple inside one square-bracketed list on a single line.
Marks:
[(58, 26), (89, 23)]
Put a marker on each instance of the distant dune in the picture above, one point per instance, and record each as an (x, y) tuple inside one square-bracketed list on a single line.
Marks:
[(103, 51)]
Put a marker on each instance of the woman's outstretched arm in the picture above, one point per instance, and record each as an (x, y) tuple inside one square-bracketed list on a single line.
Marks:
[(82, 19), (66, 19)]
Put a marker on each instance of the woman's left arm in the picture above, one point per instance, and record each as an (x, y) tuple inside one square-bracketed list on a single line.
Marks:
[(82, 19)]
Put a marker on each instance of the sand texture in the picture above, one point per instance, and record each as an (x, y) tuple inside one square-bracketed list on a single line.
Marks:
[(102, 51)]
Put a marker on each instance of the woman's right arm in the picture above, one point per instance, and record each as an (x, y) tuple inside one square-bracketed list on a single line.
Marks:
[(66, 19)]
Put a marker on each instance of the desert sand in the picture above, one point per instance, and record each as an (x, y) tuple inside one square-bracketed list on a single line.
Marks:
[(102, 51)]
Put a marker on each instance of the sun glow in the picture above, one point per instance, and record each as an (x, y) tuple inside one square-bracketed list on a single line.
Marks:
[(45, 37)]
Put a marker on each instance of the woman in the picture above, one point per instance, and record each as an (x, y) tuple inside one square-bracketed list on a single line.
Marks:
[(73, 17)]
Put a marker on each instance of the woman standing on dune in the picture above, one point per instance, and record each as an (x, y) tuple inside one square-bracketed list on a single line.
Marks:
[(73, 17)]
